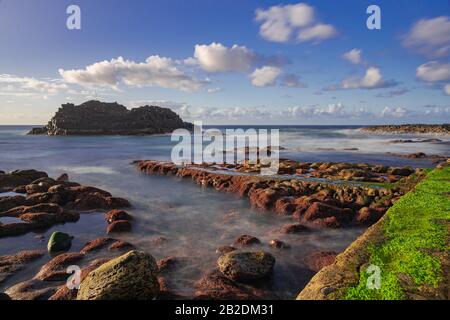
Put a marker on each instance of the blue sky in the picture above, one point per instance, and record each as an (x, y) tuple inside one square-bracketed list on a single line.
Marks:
[(288, 64)]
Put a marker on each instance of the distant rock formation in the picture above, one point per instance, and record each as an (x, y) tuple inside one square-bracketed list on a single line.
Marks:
[(410, 128), (101, 118)]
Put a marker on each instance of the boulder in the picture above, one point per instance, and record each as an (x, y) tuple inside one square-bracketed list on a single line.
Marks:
[(247, 240), (246, 266), (59, 242), (115, 215), (294, 228), (97, 244), (215, 286), (119, 226), (278, 244), (132, 276)]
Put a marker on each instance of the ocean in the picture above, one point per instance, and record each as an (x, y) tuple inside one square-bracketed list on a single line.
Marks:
[(193, 220)]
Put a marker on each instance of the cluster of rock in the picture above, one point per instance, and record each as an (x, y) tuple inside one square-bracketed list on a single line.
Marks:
[(309, 202), (100, 118), (410, 128), (362, 172), (44, 201)]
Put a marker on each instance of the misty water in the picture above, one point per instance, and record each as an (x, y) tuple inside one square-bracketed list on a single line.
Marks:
[(193, 220)]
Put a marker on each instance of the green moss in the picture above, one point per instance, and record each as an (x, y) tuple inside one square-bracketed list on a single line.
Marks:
[(413, 229)]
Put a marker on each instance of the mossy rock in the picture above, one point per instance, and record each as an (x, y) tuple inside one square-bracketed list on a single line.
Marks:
[(131, 276), (246, 266), (59, 242)]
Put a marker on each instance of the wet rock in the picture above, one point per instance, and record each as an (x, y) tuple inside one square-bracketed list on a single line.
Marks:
[(33, 289), (216, 286), (55, 269), (59, 242), (131, 276), (12, 264), (294, 228), (39, 208), (97, 244), (63, 177), (247, 240), (323, 211), (285, 206), (7, 203), (20, 189), (170, 263), (278, 244), (119, 226), (368, 216), (264, 198), (45, 197), (116, 215), (64, 293), (405, 171), (120, 245), (246, 266), (96, 200), (9, 181), (320, 259), (330, 222), (225, 249)]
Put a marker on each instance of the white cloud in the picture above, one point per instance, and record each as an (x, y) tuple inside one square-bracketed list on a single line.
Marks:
[(433, 71), (155, 71), (214, 90), (372, 79), (447, 89), (398, 112), (430, 37), (22, 85), (437, 111), (265, 76), (215, 57), (283, 23), (353, 56), (317, 33)]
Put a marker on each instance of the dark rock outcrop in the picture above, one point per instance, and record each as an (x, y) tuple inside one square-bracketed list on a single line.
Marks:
[(100, 118)]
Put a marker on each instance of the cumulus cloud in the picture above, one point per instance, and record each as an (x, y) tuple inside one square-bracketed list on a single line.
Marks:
[(394, 112), (22, 85), (265, 76), (334, 111), (433, 71), (353, 56), (317, 33), (437, 111), (372, 79), (215, 57), (155, 71), (283, 23), (430, 37), (447, 89)]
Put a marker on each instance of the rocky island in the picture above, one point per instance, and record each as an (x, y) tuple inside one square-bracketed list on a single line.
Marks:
[(101, 118)]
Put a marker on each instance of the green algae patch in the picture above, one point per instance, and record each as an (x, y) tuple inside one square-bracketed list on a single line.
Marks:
[(417, 233)]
